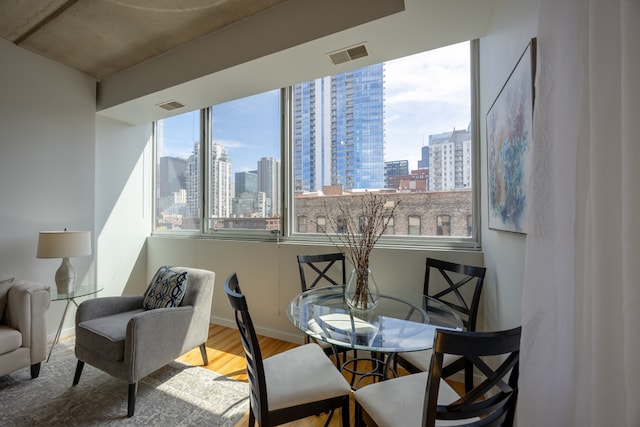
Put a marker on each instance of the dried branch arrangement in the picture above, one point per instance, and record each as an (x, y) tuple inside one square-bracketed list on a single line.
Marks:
[(359, 225), (354, 228)]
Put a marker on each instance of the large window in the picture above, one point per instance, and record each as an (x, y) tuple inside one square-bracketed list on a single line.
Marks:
[(178, 186), (403, 128), (233, 151)]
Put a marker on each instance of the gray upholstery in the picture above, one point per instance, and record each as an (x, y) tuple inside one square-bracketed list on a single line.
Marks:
[(23, 330), (116, 335)]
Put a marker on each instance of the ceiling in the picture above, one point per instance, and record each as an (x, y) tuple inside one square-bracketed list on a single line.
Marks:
[(104, 37), (147, 53)]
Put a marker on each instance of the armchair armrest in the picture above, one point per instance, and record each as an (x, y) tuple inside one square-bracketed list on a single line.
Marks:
[(154, 338), (27, 305), (105, 306)]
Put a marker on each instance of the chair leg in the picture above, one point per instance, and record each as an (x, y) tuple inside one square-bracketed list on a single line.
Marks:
[(345, 413), (203, 352), (252, 418), (358, 415), (35, 370), (76, 377), (468, 376), (133, 388)]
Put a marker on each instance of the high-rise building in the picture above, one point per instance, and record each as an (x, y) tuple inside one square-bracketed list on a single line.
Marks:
[(339, 130), (171, 177), (269, 183), (246, 182), (450, 160), (423, 163), (395, 168), (220, 182), (250, 205), (192, 183)]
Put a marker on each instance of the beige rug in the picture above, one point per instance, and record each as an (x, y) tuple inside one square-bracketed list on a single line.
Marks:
[(176, 395)]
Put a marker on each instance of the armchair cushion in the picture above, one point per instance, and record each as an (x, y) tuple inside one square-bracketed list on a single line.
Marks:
[(10, 339), (166, 289), (106, 335), (4, 291)]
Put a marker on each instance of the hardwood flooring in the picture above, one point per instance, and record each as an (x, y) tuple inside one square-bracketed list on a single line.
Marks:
[(226, 357)]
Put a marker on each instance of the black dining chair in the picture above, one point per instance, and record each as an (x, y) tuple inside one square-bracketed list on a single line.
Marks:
[(460, 289), (290, 385), (492, 402), (324, 270)]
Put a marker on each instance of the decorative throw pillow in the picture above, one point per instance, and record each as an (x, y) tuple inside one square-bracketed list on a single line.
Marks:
[(4, 295), (166, 289)]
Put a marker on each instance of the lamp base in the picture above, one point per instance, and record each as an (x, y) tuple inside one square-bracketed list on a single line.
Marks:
[(65, 277)]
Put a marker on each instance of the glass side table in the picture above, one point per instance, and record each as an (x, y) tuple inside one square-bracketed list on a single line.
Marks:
[(82, 291)]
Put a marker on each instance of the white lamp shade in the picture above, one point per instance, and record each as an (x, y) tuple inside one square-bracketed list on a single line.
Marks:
[(64, 244)]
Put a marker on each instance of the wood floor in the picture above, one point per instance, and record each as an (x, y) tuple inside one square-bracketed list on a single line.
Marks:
[(226, 357)]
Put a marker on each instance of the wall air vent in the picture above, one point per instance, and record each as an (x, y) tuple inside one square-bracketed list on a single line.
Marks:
[(348, 54), (170, 105)]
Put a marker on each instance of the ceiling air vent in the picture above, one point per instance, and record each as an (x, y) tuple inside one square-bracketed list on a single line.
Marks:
[(348, 54), (170, 105)]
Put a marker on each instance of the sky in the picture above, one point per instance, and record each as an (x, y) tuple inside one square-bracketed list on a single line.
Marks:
[(425, 94)]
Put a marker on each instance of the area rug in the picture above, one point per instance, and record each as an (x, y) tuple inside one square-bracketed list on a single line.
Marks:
[(175, 395)]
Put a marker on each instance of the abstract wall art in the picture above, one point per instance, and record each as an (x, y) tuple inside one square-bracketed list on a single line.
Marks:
[(509, 141)]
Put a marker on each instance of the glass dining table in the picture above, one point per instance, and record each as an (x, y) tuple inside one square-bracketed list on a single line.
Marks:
[(402, 323)]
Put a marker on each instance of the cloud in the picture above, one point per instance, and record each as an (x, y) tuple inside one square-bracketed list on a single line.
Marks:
[(425, 94)]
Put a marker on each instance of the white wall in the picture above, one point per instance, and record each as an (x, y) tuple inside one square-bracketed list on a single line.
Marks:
[(513, 25), (47, 131), (123, 204)]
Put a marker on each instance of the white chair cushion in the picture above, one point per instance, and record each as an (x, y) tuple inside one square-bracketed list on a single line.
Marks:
[(422, 359), (400, 401), (301, 375)]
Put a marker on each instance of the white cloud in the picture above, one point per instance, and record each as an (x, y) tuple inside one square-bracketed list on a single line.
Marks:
[(425, 94)]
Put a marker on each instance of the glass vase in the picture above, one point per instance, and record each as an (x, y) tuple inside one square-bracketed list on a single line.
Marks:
[(361, 292)]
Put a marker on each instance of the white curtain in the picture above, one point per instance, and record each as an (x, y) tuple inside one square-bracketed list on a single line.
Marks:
[(580, 356)]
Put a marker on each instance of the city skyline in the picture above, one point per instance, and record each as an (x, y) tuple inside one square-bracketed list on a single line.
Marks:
[(425, 94)]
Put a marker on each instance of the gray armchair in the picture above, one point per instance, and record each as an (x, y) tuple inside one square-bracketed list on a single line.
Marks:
[(23, 331), (128, 339)]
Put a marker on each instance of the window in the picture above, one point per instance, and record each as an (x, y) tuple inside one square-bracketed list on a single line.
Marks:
[(366, 130), (443, 225), (402, 128), (414, 225), (302, 224), (232, 150), (390, 226), (321, 222), (178, 189)]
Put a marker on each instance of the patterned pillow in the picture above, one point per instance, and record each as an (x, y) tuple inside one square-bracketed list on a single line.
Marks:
[(4, 291), (166, 289)]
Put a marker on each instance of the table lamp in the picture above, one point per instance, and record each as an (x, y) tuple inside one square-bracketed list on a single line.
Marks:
[(64, 244)]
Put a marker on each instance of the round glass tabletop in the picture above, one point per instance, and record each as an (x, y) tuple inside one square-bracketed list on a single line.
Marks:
[(395, 325)]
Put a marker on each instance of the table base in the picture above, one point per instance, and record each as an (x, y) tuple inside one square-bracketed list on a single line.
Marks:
[(380, 370)]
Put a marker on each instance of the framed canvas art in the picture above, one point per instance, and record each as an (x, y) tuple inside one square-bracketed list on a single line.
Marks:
[(509, 139)]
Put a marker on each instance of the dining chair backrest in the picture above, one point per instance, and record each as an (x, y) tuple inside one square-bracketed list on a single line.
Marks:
[(492, 402), (302, 380), (251, 346), (460, 281), (321, 270)]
